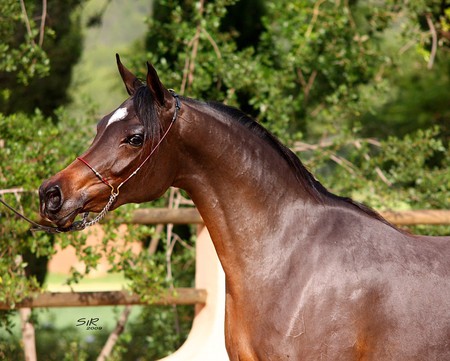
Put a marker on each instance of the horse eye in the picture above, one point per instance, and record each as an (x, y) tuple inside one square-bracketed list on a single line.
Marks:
[(135, 140)]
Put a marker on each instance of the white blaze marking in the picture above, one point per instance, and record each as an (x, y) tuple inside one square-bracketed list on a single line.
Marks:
[(119, 114)]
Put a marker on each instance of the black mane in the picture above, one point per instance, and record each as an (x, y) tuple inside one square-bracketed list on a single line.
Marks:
[(308, 181)]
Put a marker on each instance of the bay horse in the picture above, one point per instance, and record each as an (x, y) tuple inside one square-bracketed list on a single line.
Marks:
[(309, 275)]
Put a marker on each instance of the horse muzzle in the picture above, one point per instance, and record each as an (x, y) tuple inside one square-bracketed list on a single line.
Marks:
[(56, 206)]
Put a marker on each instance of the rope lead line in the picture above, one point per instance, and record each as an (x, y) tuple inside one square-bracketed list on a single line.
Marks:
[(38, 226)]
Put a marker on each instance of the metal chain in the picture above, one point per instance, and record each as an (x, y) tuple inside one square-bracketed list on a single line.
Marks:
[(102, 214)]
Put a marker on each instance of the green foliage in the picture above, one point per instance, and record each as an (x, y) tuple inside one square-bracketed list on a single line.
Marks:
[(160, 331), (56, 344), (385, 174), (327, 72), (37, 54), (27, 140), (19, 53), (418, 100)]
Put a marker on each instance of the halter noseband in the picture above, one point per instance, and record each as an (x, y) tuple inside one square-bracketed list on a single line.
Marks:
[(84, 223)]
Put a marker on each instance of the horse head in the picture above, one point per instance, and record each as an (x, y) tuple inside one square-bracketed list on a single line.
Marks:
[(129, 154)]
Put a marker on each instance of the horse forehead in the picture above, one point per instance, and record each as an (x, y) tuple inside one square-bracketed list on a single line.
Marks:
[(120, 114)]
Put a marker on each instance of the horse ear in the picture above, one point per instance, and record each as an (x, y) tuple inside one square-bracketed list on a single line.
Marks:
[(159, 92), (129, 79)]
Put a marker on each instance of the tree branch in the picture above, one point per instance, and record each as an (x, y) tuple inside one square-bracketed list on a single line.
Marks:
[(11, 190), (213, 43), (43, 18), (314, 18), (306, 85), (434, 41), (377, 169), (155, 239), (114, 336), (190, 63), (27, 21)]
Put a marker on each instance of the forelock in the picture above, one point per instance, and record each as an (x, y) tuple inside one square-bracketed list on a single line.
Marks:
[(145, 109)]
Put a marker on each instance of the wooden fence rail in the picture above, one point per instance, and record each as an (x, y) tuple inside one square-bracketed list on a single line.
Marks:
[(179, 296), (418, 217), (164, 215), (191, 216)]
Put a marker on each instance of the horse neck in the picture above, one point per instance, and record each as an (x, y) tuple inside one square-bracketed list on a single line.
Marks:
[(240, 184)]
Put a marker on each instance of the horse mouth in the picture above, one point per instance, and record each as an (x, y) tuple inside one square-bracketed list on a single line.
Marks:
[(66, 220)]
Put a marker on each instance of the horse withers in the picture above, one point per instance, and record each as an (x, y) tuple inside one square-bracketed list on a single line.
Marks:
[(309, 275)]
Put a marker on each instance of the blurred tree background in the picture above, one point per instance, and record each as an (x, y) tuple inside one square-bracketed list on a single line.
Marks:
[(360, 89)]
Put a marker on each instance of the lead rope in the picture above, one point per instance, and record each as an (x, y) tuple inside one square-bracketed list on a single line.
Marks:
[(37, 226), (84, 223)]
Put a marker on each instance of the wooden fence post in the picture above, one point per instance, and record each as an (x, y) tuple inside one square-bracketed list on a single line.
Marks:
[(28, 337)]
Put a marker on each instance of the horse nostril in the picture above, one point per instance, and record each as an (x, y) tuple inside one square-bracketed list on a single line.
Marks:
[(53, 199)]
